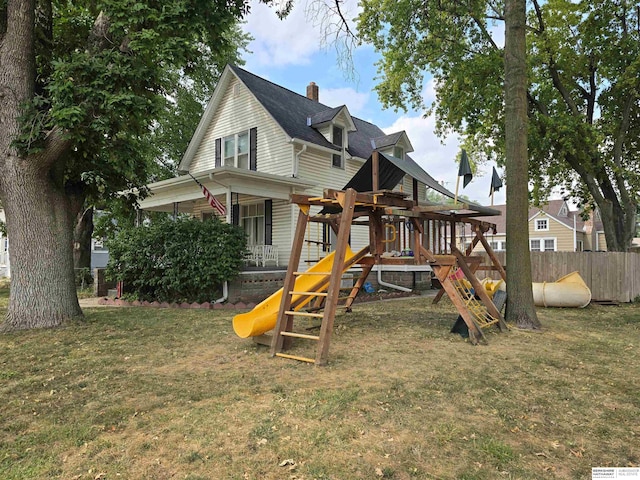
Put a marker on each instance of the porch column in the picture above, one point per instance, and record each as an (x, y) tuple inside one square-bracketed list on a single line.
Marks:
[(228, 204), (175, 210)]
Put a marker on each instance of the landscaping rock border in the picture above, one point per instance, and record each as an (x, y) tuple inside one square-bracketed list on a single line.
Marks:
[(118, 302)]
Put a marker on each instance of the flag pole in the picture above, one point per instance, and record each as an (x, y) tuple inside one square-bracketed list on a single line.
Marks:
[(492, 192), (455, 199)]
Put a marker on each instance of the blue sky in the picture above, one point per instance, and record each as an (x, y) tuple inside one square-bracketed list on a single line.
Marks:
[(290, 53)]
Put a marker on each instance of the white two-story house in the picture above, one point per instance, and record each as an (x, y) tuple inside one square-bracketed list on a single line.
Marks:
[(257, 143)]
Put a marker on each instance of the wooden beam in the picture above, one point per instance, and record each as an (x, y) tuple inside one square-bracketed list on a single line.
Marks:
[(357, 286), (442, 272), (375, 170), (326, 329), (284, 321), (479, 289), (492, 255)]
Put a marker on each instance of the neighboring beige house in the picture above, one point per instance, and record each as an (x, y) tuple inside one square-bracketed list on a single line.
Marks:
[(552, 227), (594, 239), (257, 143)]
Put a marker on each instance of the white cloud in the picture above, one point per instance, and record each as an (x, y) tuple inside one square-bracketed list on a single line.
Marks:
[(354, 100), (438, 158), (295, 39), (277, 42), (429, 91)]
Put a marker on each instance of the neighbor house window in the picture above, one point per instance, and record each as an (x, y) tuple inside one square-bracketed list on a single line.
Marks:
[(398, 152), (252, 221), (338, 140), (236, 150), (542, 224), (542, 244)]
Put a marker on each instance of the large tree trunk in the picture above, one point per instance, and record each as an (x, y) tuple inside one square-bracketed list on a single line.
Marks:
[(43, 292), (520, 307), (619, 223), (37, 213)]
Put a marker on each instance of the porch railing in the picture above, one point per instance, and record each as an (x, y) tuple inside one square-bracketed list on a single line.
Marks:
[(260, 255)]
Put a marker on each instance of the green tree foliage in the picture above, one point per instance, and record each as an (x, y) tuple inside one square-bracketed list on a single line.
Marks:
[(583, 95), (185, 260), (84, 86)]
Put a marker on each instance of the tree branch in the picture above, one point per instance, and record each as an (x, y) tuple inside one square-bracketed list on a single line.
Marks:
[(591, 98), (56, 144), (618, 143), (485, 32)]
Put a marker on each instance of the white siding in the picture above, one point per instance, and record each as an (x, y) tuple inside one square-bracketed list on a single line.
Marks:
[(325, 131), (315, 167), (281, 234), (240, 112)]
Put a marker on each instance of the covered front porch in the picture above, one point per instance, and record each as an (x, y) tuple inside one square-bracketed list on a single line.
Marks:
[(256, 201)]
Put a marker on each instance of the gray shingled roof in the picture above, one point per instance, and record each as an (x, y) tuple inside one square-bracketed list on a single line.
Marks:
[(289, 109), (292, 110), (324, 116), (386, 140)]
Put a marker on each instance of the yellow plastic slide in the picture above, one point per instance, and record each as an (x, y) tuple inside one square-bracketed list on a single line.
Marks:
[(264, 316)]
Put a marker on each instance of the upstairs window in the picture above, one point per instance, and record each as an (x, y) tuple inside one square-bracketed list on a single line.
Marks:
[(398, 152), (337, 137), (542, 224), (236, 150)]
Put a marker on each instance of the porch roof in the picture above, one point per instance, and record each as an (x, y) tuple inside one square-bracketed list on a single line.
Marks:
[(165, 193)]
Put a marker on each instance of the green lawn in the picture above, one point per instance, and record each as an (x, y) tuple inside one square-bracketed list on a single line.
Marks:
[(158, 394)]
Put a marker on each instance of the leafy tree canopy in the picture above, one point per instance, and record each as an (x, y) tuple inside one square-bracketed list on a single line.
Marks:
[(584, 89), (108, 72), (85, 86)]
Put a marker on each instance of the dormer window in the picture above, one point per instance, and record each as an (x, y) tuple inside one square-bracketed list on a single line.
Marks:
[(398, 152), (337, 138), (563, 211)]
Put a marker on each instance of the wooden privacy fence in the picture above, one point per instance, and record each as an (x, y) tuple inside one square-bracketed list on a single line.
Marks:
[(609, 275)]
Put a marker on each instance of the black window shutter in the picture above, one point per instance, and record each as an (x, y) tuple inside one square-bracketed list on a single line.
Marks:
[(253, 149), (218, 152), (268, 222), (235, 214)]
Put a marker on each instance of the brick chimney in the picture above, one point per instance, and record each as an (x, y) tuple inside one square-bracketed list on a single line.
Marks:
[(313, 92)]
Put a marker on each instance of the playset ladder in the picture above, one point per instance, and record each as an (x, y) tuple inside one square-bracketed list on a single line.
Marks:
[(284, 326), (477, 313)]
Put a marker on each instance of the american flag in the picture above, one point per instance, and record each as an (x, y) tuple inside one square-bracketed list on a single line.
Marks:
[(213, 201)]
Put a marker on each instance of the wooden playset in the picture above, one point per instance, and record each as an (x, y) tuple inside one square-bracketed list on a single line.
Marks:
[(316, 292)]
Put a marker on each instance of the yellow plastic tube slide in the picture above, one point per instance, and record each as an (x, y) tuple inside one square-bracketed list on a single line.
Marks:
[(567, 291), (264, 316)]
